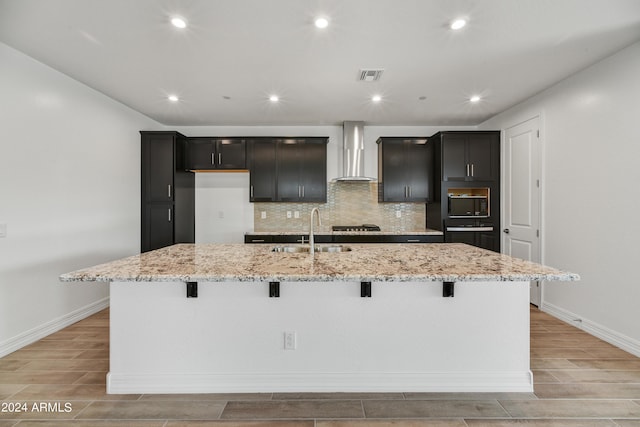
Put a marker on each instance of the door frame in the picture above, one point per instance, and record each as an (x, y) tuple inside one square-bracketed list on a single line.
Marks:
[(518, 120)]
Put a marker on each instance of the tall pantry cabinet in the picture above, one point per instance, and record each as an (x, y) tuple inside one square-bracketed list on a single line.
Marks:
[(167, 190)]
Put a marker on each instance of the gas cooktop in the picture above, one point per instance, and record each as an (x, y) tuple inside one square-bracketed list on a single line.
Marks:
[(363, 227)]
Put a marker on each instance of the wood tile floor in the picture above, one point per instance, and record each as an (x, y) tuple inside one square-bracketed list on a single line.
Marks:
[(579, 381)]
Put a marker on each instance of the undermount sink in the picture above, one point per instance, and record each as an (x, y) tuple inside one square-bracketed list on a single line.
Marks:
[(333, 248), (305, 249)]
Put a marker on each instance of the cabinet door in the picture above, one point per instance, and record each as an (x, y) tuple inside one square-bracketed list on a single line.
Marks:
[(288, 173), (201, 154), (419, 170), (394, 168), (230, 153), (481, 156), (454, 158), (489, 241), (258, 238), (313, 175), (468, 237), (261, 159), (158, 167), (159, 226)]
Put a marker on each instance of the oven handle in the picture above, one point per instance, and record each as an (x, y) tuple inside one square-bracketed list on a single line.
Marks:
[(469, 228)]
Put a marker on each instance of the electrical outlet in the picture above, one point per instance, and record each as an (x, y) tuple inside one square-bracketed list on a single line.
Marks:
[(296, 214), (398, 214), (3, 230), (263, 214), (289, 340), (288, 214)]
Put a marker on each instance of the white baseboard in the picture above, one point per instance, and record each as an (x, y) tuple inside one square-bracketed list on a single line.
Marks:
[(320, 382), (39, 332), (612, 337)]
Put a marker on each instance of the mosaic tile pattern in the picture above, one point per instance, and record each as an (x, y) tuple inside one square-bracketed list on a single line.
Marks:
[(348, 203)]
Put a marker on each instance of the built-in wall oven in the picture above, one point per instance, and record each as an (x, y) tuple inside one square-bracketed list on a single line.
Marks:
[(469, 218), (480, 234), (468, 203)]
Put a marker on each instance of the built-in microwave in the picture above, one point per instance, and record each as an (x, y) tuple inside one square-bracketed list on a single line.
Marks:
[(469, 203)]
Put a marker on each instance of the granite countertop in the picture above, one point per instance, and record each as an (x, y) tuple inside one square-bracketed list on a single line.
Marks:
[(365, 262), (423, 232)]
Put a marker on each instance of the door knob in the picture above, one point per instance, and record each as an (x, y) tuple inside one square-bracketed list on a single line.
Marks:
[(506, 230)]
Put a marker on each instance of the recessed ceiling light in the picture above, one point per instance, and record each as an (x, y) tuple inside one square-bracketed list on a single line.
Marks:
[(274, 98), (173, 98), (322, 22), (458, 23), (376, 98), (178, 22), (475, 98)]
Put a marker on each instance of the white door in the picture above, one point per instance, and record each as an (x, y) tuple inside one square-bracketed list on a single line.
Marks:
[(521, 224)]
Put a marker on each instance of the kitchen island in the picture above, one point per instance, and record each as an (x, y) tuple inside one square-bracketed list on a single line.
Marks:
[(378, 317)]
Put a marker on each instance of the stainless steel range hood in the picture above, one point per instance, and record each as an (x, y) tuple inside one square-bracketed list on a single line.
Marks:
[(353, 153)]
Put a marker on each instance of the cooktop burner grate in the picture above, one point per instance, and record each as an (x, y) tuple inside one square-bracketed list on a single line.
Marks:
[(363, 227)]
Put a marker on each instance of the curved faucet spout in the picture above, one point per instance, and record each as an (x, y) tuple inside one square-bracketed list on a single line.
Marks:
[(311, 236)]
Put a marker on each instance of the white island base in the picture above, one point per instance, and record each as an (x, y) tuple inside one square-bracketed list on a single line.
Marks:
[(405, 338)]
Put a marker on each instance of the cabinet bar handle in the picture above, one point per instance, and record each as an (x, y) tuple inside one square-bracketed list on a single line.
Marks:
[(251, 191), (213, 158), (409, 190), (472, 174), (257, 240), (169, 191), (468, 170), (303, 191), (413, 241), (219, 159), (169, 213)]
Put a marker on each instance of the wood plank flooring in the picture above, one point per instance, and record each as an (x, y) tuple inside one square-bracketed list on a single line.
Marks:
[(579, 380)]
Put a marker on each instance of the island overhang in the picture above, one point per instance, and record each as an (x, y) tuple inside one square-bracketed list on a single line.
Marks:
[(451, 262)]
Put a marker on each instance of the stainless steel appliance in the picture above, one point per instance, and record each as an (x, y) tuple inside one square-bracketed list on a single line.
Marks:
[(468, 203), (363, 227), (469, 228), (353, 152), (476, 233)]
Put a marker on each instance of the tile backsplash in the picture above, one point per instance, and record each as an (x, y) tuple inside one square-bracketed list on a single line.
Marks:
[(348, 203)]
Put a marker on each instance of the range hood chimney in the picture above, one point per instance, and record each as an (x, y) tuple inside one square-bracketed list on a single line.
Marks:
[(353, 153)]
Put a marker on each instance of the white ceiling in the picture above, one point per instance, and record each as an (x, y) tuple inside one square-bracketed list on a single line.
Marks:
[(246, 50)]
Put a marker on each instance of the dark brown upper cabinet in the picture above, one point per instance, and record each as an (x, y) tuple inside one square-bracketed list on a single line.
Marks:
[(216, 153), (469, 155), (261, 161), (301, 169), (405, 170)]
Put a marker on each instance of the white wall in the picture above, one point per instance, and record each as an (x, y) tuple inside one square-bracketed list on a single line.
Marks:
[(591, 171), (69, 194), (223, 210)]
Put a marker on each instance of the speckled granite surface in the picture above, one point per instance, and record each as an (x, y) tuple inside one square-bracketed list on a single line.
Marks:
[(365, 262), (423, 232)]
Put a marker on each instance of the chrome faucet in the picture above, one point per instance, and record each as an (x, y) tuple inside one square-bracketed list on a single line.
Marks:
[(312, 248)]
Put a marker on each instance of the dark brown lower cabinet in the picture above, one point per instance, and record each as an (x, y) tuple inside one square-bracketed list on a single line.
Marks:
[(158, 224), (482, 239)]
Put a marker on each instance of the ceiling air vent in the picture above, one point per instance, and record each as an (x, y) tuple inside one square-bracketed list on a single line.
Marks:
[(370, 75)]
